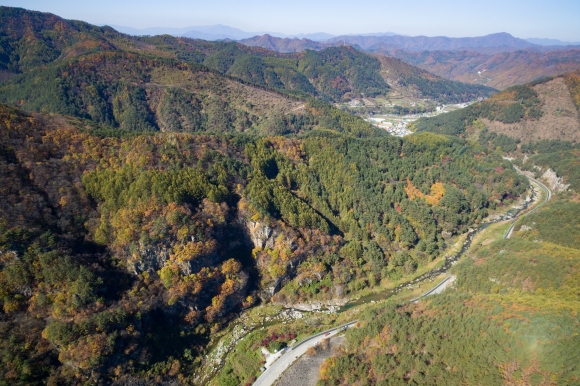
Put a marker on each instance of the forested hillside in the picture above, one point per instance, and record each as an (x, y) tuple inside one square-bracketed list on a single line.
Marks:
[(112, 246), (543, 110), (153, 188), (496, 326), (32, 40)]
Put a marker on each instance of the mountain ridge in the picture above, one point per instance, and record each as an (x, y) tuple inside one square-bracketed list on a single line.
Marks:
[(500, 40), (545, 110), (486, 66)]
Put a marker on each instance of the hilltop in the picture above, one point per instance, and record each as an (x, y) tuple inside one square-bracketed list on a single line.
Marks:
[(180, 84), (499, 60), (498, 70), (547, 109)]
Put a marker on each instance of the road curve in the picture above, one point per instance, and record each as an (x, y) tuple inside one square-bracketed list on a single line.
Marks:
[(437, 289), (548, 192), (273, 372)]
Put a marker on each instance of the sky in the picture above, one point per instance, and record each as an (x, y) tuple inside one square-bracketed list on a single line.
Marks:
[(555, 19)]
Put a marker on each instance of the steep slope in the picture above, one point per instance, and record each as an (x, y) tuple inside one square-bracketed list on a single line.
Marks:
[(495, 326), (422, 84), (544, 110), (501, 70), (111, 246)]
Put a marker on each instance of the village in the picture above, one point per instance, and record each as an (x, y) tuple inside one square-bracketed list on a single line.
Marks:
[(396, 113)]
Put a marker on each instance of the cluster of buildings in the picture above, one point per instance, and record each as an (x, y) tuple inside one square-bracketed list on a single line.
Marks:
[(399, 129)]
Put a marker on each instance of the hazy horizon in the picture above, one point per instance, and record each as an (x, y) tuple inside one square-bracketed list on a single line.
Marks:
[(452, 18)]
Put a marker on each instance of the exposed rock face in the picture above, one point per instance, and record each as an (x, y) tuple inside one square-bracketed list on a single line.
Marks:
[(446, 235), (556, 183), (260, 233), (151, 259)]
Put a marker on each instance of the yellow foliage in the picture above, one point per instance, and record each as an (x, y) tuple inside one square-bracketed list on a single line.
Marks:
[(186, 252), (228, 287), (437, 192), (231, 267), (10, 305), (426, 138), (277, 270), (325, 367), (412, 191)]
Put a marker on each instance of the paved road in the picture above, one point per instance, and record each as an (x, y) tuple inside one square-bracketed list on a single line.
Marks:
[(548, 192), (271, 374), (437, 289)]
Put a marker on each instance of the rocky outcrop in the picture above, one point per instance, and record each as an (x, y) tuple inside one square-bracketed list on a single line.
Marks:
[(556, 183), (150, 259), (259, 232), (332, 305)]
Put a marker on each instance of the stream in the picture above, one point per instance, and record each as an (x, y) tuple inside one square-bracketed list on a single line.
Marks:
[(449, 261), (218, 359)]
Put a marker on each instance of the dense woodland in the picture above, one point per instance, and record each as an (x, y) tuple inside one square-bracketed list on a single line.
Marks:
[(512, 318), (510, 106), (153, 188), (108, 241)]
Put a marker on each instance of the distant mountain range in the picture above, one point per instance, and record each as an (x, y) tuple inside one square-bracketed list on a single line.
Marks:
[(217, 32), (551, 42), (497, 60), (498, 41), (220, 32)]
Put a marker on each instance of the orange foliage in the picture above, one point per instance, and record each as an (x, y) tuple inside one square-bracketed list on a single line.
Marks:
[(86, 352), (436, 194)]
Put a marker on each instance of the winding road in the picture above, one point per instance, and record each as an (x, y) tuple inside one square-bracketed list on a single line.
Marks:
[(291, 354), (272, 373), (548, 192)]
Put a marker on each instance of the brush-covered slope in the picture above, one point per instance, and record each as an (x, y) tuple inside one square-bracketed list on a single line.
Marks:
[(544, 110), (122, 256), (511, 318), (499, 70), (423, 84)]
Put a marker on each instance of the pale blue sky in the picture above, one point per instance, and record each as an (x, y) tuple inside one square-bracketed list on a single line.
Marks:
[(557, 19)]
